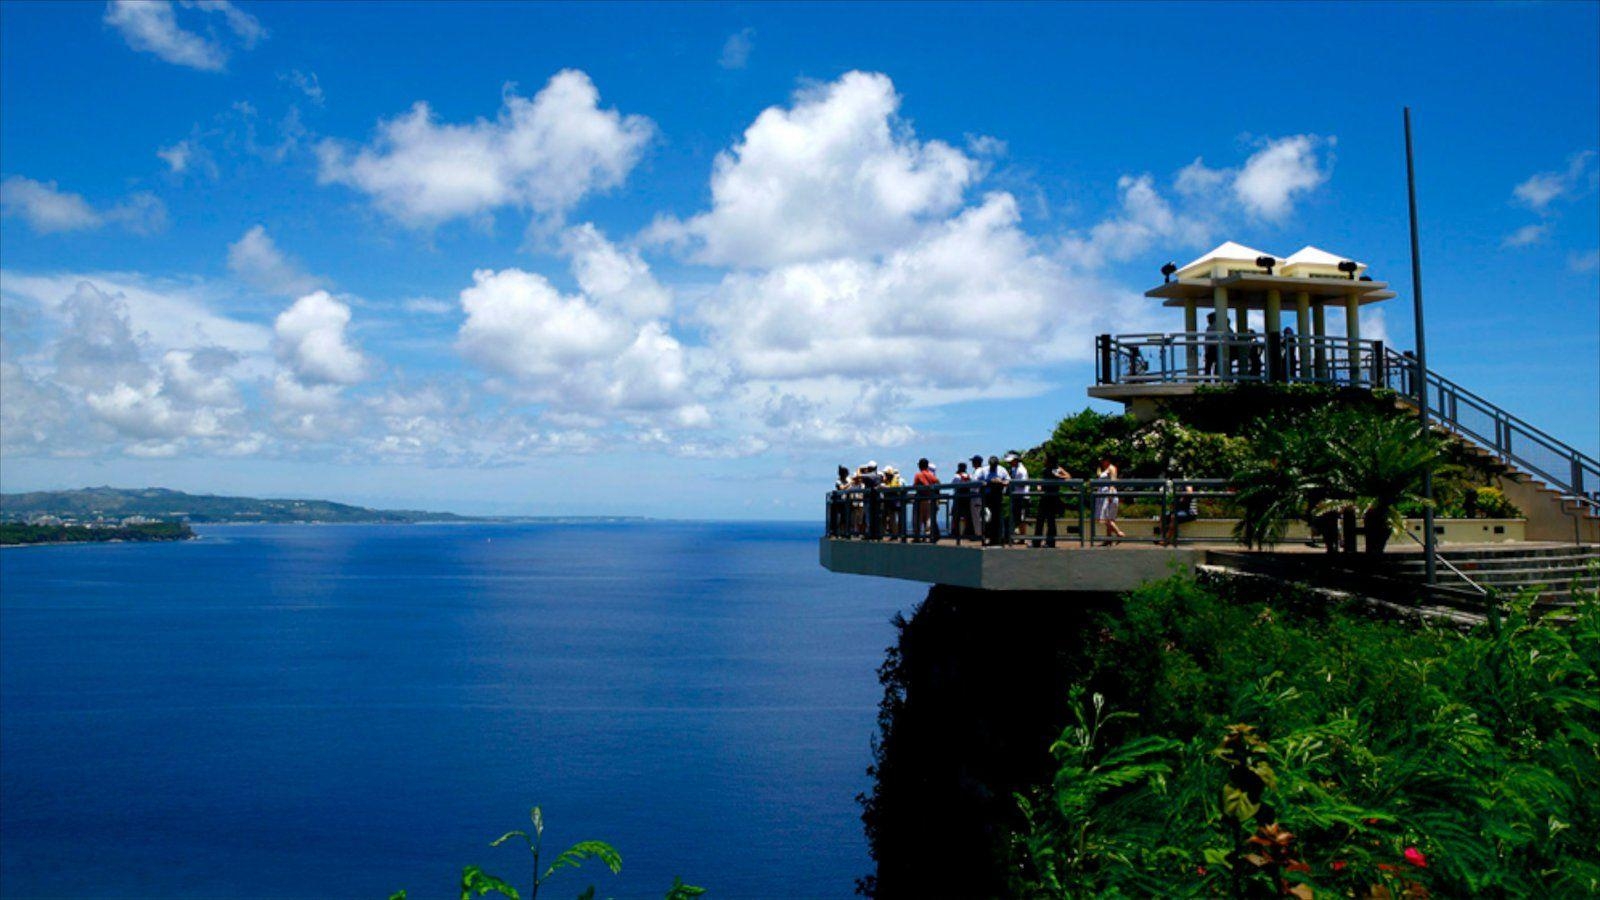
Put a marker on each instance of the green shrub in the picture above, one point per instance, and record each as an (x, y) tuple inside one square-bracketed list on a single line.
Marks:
[(1267, 747)]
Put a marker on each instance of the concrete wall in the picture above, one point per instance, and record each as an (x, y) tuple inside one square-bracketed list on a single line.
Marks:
[(1547, 519), (1001, 569)]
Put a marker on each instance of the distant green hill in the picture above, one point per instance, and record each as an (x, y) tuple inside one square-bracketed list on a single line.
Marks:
[(94, 503)]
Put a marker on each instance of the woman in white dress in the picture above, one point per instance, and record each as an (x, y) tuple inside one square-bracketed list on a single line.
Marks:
[(1105, 501)]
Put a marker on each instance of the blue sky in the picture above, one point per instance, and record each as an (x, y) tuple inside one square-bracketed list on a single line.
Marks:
[(683, 260)]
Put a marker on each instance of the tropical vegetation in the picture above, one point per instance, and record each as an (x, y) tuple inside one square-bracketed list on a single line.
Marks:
[(1270, 747), (475, 882)]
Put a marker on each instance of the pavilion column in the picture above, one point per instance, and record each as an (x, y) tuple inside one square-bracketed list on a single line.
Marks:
[(1274, 312), (1352, 331), (1191, 324), (1319, 330), (1244, 319), (1302, 308), (1220, 302)]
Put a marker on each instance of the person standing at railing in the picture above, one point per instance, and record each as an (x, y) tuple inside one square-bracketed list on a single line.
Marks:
[(1050, 505), (961, 518), (992, 482), (927, 527), (1254, 348), (1213, 339), (1290, 358), (1019, 494), (894, 514), (839, 504), (870, 480), (1105, 501), (975, 502), (1182, 511)]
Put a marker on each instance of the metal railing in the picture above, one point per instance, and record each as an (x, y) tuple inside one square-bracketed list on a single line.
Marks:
[(1211, 358), (1078, 509), (1207, 357), (1515, 442)]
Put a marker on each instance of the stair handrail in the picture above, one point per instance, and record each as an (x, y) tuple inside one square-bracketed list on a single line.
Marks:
[(1438, 557), (1580, 461)]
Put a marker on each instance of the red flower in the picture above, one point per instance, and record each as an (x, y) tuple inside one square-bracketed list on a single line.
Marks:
[(1339, 865), (1415, 857), (1200, 869), (1370, 821)]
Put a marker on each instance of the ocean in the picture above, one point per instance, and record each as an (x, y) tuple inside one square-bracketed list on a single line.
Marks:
[(350, 710)]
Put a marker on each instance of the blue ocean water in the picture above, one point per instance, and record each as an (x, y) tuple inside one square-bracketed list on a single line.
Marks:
[(344, 711)]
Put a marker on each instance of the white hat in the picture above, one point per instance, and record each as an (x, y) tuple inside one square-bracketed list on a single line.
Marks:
[(872, 464)]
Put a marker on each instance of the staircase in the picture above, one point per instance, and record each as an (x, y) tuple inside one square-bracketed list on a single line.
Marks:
[(1556, 571), (1555, 485)]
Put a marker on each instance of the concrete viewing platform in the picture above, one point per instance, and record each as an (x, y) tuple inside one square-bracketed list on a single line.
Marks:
[(1068, 568)]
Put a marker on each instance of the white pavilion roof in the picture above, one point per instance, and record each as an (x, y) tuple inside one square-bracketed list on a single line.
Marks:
[(1228, 251), (1310, 258)]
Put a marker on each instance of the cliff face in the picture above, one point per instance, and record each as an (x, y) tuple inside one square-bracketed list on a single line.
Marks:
[(975, 691)]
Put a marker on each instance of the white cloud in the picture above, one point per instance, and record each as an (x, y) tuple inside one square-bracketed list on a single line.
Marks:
[(1144, 219), (1544, 188), (309, 338), (1526, 235), (736, 50), (257, 259), (47, 209), (1274, 175), (96, 388), (837, 172), (151, 26), (544, 155), (602, 352), (1584, 262), (170, 314), (615, 279)]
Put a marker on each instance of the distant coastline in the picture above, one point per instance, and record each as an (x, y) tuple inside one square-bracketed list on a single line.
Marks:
[(109, 507), (17, 534)]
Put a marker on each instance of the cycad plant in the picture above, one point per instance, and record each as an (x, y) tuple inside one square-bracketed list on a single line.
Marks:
[(1330, 461)]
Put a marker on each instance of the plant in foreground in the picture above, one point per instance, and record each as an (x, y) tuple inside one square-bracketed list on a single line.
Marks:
[(475, 882)]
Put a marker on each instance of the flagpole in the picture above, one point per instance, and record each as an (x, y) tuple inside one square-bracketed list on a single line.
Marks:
[(1421, 375)]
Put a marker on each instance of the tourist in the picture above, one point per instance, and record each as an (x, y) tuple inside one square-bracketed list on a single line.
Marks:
[(993, 481), (1212, 340), (870, 480), (1182, 511), (839, 504), (1019, 495), (975, 504), (894, 513), (1050, 504), (960, 504), (1255, 349), (1291, 355), (1105, 502), (927, 524)]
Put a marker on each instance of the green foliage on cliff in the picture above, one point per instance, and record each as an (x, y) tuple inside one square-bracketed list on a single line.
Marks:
[(1246, 746), (18, 533)]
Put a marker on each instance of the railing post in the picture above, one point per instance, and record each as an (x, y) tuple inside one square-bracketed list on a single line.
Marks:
[(1102, 345), (1377, 364)]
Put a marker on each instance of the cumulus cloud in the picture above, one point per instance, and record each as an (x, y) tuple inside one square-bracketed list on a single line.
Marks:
[(599, 352), (151, 26), (309, 339), (836, 172), (101, 384), (257, 259), (1280, 171), (47, 209), (1145, 219), (543, 154)]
